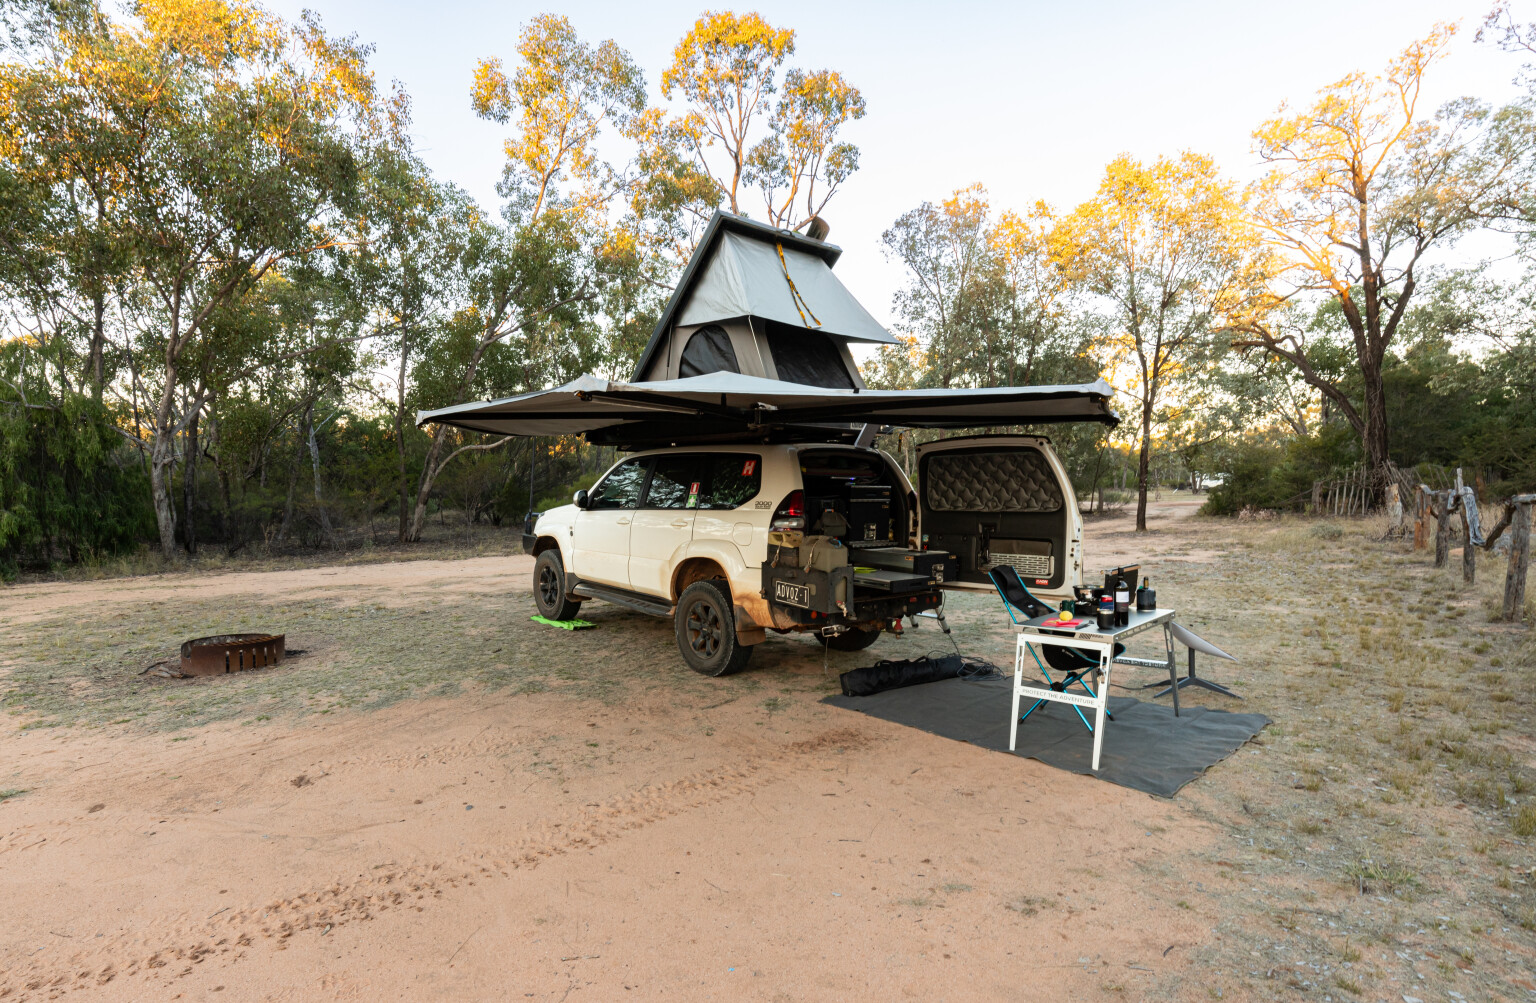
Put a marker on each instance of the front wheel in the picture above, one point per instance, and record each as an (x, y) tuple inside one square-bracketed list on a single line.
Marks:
[(705, 623), (852, 639), (549, 593)]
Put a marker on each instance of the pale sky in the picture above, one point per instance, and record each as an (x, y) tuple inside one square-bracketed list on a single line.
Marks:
[(1031, 99)]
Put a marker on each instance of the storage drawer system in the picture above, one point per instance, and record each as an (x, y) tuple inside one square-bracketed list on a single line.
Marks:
[(810, 584), (937, 565)]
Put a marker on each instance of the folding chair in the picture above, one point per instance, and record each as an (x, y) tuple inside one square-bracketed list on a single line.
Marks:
[(1074, 662)]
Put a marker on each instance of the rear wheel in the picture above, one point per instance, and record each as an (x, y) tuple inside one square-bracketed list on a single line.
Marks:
[(549, 593), (852, 639), (705, 623)]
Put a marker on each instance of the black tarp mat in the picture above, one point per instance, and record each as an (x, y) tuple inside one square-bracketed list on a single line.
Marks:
[(1146, 748)]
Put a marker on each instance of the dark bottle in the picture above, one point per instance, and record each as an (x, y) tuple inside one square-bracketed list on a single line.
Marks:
[(1106, 612), (1122, 603), (1146, 598)]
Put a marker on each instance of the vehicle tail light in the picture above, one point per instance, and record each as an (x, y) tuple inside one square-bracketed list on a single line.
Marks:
[(791, 512)]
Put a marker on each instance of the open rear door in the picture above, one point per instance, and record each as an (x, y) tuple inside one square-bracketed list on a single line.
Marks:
[(1001, 500)]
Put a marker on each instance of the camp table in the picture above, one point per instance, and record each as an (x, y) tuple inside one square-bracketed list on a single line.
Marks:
[(1086, 636)]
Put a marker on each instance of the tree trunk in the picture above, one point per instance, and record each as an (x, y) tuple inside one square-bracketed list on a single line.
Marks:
[(405, 487), (429, 471), (189, 486), (314, 460), (1142, 466), (98, 341), (1374, 437), (293, 485), (161, 456), (165, 512)]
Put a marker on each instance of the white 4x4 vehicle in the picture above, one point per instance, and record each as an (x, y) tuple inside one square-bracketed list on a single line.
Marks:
[(734, 541)]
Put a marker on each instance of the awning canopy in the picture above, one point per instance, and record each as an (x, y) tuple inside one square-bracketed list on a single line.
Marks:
[(719, 406)]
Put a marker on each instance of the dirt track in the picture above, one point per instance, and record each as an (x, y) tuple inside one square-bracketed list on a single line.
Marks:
[(528, 814)]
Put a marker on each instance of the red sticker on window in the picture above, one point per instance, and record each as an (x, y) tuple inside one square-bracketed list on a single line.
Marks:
[(693, 489), (748, 467)]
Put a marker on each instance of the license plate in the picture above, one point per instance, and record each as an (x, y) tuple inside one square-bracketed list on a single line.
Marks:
[(792, 594)]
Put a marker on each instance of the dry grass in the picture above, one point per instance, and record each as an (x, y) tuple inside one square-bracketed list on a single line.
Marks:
[(1391, 804)]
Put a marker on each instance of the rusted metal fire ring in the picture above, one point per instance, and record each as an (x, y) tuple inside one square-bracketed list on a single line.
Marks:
[(221, 653)]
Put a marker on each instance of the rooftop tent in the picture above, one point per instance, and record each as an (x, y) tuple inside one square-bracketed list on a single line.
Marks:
[(760, 301), (733, 406), (757, 276)]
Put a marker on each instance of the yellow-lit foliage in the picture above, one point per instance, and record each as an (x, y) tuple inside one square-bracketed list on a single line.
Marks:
[(561, 96), (1165, 245), (725, 68)]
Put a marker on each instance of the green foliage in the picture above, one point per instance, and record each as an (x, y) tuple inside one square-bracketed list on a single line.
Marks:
[(1267, 474), (68, 489)]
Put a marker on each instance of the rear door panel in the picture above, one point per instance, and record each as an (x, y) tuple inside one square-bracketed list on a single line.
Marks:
[(1000, 500)]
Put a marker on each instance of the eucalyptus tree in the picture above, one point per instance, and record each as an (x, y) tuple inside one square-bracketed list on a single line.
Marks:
[(230, 140), (1162, 248), (946, 253), (530, 282), (1361, 187)]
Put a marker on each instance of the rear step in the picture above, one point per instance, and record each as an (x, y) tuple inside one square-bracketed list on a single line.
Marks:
[(623, 597)]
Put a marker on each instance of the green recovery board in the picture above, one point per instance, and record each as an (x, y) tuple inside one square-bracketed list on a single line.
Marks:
[(564, 624)]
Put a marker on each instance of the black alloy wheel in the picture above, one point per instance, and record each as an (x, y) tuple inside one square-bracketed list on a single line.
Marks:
[(549, 593), (705, 623)]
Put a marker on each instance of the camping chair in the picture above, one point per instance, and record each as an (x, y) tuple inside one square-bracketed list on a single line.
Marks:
[(1074, 662)]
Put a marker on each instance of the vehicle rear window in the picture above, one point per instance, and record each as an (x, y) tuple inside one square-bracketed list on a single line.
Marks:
[(731, 480), (674, 481), (621, 488)]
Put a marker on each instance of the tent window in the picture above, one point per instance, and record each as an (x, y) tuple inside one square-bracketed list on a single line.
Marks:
[(808, 358), (708, 351)]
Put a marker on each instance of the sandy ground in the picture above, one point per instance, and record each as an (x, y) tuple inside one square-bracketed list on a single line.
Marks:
[(500, 846)]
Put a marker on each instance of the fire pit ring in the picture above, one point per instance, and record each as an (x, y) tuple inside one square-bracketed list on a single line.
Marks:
[(221, 653)]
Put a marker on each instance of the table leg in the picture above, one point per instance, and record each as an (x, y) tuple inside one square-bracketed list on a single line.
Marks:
[(1018, 670), (1173, 669), (1105, 659)]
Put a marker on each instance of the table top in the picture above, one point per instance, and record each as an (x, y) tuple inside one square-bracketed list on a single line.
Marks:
[(1139, 620)]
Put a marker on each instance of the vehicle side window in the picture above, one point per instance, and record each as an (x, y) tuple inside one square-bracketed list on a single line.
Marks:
[(674, 482), (621, 488), (731, 480)]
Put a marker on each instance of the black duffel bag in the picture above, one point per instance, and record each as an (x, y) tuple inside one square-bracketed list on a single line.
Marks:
[(890, 674)]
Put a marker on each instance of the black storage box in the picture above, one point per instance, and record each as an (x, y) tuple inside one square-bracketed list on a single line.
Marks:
[(885, 580), (869, 512), (938, 565)]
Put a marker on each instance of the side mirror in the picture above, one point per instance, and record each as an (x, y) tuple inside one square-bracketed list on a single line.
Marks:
[(580, 498)]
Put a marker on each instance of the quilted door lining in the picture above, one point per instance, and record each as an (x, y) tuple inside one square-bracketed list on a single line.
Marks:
[(1014, 481)]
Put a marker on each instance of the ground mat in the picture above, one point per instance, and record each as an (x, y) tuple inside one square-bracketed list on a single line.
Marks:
[(1145, 747)]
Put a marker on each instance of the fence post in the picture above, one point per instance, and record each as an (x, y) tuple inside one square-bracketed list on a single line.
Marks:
[(1317, 497), (1442, 528), (1519, 556), (1465, 500), (1420, 521)]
